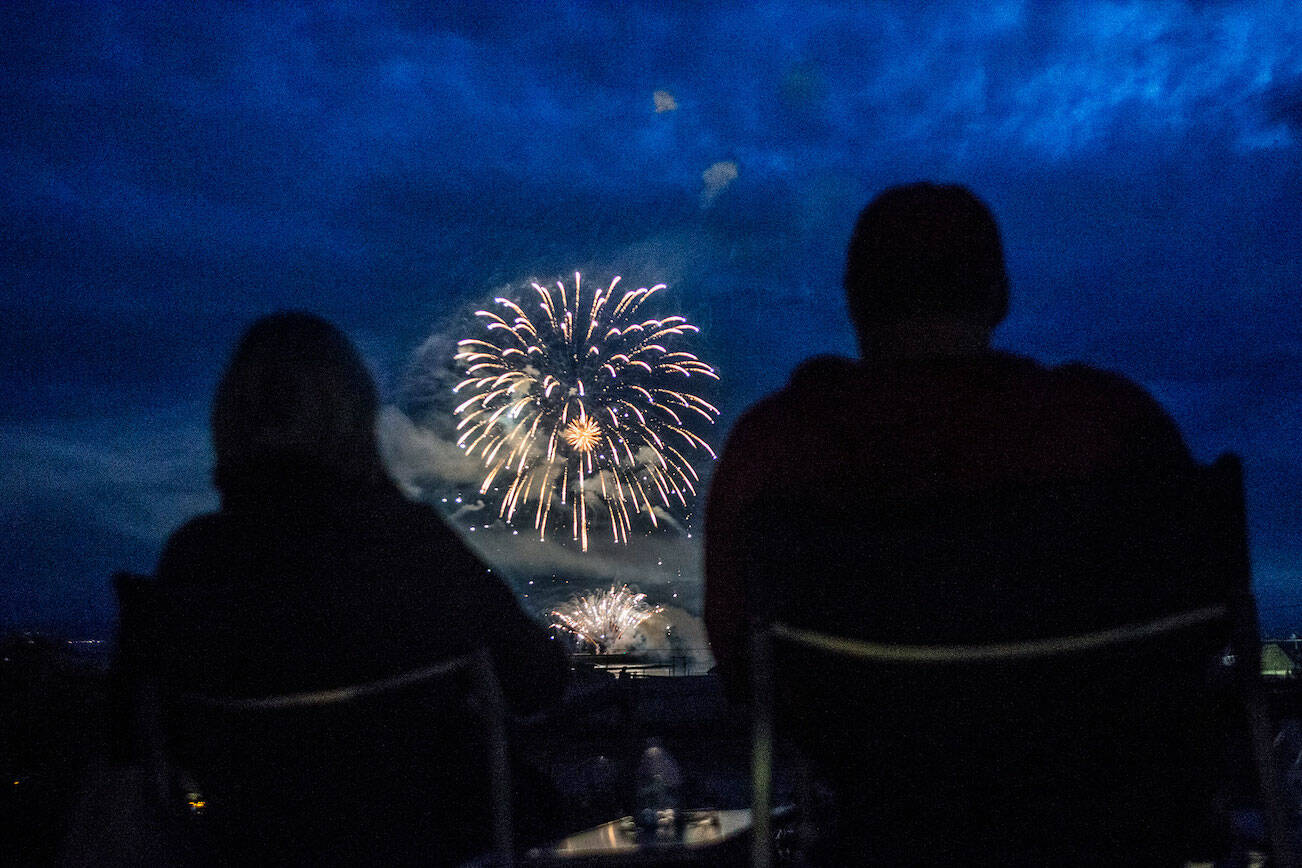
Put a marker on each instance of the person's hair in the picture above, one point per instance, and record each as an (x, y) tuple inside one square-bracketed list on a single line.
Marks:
[(295, 392), (925, 250)]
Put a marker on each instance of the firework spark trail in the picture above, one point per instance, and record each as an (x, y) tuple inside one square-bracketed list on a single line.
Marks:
[(580, 401), (601, 618)]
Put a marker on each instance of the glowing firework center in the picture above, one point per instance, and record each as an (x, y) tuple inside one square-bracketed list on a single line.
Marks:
[(583, 435), (583, 404)]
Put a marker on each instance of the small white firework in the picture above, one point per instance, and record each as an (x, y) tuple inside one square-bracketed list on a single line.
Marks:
[(601, 618)]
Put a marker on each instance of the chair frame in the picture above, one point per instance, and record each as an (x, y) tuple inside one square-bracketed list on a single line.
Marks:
[(135, 591), (1238, 611)]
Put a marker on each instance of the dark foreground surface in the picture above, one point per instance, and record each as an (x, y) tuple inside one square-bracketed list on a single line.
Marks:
[(53, 728), (62, 777), (63, 783)]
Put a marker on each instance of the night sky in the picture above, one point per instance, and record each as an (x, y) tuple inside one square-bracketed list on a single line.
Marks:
[(172, 171)]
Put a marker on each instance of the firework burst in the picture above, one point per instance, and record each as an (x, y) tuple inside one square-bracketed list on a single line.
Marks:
[(582, 402), (602, 618)]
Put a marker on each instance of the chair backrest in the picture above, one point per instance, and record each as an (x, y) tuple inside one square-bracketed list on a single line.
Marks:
[(1067, 703), (421, 755)]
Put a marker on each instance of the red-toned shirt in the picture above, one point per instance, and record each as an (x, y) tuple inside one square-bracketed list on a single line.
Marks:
[(918, 427)]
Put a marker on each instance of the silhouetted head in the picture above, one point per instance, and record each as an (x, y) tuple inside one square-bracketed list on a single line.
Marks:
[(295, 395), (925, 253)]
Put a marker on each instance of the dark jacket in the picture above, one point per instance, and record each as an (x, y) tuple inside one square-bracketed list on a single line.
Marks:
[(298, 584), (302, 583), (844, 435), (972, 500)]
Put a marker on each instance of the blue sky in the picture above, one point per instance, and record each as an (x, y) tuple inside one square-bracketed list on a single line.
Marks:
[(173, 171)]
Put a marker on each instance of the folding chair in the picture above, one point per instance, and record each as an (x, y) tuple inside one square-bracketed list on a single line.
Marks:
[(1166, 658), (219, 764)]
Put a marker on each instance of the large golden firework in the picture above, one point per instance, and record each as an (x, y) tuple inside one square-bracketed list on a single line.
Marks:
[(582, 403)]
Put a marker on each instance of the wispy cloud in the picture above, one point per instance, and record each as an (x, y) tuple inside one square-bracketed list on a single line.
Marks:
[(139, 476), (171, 170)]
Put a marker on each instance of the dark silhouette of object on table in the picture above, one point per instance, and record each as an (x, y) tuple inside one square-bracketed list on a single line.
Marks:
[(940, 492), (318, 574)]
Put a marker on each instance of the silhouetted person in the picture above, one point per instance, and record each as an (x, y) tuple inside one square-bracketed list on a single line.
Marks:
[(938, 491), (317, 573)]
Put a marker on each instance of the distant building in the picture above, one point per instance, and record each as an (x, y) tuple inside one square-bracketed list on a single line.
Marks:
[(1279, 659)]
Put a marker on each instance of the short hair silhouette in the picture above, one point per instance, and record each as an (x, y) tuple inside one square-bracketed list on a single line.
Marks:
[(295, 391), (925, 250)]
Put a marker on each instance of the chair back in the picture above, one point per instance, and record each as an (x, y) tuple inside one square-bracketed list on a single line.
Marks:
[(416, 762), (1012, 674)]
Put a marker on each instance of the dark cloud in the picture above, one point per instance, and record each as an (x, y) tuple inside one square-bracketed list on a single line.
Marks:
[(1283, 103), (172, 172), (84, 497), (68, 364)]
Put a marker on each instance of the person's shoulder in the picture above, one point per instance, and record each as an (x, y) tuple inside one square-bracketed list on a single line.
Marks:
[(395, 512), (813, 378), (198, 529), (417, 531), (197, 541), (1133, 413), (822, 372), (1106, 386)]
